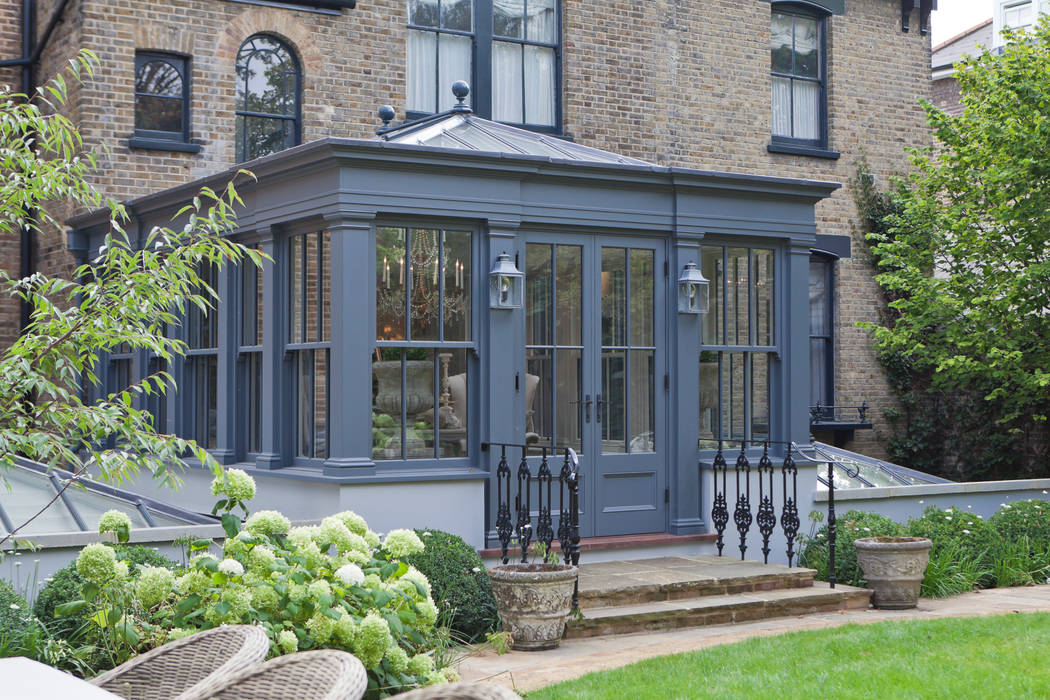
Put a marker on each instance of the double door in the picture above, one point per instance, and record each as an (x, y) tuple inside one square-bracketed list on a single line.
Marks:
[(594, 372)]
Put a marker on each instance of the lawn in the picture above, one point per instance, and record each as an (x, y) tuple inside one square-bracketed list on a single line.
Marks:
[(990, 657)]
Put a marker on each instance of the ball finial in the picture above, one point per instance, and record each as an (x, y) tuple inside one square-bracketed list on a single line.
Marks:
[(461, 89), (387, 114)]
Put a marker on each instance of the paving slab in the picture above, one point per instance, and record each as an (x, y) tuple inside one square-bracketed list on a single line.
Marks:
[(526, 671)]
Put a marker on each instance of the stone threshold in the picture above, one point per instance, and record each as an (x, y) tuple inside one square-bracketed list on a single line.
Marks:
[(610, 542)]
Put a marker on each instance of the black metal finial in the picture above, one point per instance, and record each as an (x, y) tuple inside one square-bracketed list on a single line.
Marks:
[(461, 89), (387, 114)]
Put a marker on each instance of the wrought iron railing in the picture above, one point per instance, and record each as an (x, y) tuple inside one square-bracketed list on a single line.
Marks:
[(765, 516), (514, 518), (838, 414)]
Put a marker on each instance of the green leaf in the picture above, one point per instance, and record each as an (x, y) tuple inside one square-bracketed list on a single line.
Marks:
[(231, 524), (70, 608), (89, 590), (188, 603)]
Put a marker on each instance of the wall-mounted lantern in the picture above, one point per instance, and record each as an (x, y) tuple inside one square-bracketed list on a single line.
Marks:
[(506, 284), (693, 290)]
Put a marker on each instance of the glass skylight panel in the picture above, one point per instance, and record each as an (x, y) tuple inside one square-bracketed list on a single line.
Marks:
[(91, 506), (24, 494)]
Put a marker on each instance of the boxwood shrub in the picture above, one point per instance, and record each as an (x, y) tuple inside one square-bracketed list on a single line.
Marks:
[(461, 587), (852, 525)]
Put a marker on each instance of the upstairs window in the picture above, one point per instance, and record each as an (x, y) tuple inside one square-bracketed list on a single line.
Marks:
[(162, 99), (269, 96), (1018, 15), (798, 71), (509, 50)]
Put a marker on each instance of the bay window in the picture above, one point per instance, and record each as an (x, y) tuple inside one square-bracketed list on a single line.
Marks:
[(309, 312)]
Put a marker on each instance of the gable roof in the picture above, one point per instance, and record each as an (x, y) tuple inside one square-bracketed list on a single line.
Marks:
[(949, 52)]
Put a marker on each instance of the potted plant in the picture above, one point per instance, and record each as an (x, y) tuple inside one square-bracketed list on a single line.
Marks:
[(534, 600), (894, 568)]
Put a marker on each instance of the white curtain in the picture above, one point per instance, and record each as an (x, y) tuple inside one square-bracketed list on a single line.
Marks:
[(506, 82), (453, 64), (539, 85), (419, 71), (781, 101), (807, 109)]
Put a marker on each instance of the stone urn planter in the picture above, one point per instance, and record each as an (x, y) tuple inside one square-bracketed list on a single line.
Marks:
[(534, 601), (894, 568)]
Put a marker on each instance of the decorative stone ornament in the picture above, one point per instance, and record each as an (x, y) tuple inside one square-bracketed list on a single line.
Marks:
[(534, 601), (693, 290), (506, 284), (894, 568)]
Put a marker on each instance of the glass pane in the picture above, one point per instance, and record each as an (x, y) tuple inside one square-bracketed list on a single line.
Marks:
[(542, 21), (569, 295), (263, 65), (539, 398), (456, 276), (119, 374), (24, 495), (642, 295), (759, 396), (453, 425), (251, 304), (709, 397), (539, 303), (158, 113), (780, 43), (806, 121), (157, 404), (818, 372), (386, 404), (568, 379), (711, 264), (420, 401), (642, 392), (421, 71), (425, 302), (262, 136), (325, 275), (781, 104), (454, 54), (733, 395), (539, 85), (763, 295), (457, 14), (807, 47), (313, 288), (91, 506), (613, 410), (202, 370), (296, 329), (614, 297), (390, 283), (507, 88), (252, 398), (737, 297), (312, 407), (818, 298), (507, 16), (159, 78), (423, 12)]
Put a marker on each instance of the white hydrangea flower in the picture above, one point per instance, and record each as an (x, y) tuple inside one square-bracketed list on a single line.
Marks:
[(231, 567), (350, 574)]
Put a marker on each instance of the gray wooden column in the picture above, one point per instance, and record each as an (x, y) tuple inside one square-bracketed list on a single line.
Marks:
[(352, 336), (686, 517), (272, 451), (794, 344), (228, 312)]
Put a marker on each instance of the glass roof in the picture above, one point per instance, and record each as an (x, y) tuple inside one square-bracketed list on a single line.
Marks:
[(27, 487), (463, 130), (851, 470)]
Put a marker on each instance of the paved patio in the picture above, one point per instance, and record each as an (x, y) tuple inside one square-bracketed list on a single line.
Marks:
[(526, 671)]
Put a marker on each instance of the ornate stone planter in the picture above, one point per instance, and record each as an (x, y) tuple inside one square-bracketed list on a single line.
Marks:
[(534, 601), (893, 567)]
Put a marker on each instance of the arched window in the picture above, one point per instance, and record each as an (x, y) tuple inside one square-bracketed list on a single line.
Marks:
[(269, 96)]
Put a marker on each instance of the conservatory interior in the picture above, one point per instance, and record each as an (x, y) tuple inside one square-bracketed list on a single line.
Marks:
[(457, 284)]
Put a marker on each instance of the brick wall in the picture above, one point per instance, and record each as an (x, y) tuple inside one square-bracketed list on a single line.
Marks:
[(10, 82), (945, 95), (677, 82)]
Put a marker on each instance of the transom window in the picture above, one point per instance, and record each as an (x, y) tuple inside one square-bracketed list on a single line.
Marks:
[(798, 76), (269, 93), (161, 97), (738, 342), (507, 49), (421, 367)]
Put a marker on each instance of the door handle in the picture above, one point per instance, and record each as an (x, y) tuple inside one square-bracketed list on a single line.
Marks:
[(599, 408), (587, 409)]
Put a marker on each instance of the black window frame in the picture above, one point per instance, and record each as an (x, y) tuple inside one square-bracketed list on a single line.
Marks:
[(481, 66), (791, 144), (166, 140), (296, 118), (828, 338)]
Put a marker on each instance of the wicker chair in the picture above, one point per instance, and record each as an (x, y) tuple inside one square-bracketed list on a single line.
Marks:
[(460, 691), (325, 674), (175, 667)]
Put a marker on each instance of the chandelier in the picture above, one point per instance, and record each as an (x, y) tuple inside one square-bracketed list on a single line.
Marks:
[(427, 272)]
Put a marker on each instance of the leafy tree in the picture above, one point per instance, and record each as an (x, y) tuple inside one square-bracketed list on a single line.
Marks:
[(122, 296), (965, 259)]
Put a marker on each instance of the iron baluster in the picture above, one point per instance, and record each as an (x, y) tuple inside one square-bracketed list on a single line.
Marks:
[(831, 526), (720, 511), (742, 514), (767, 516), (789, 517), (563, 518), (572, 550), (504, 528), (524, 504), (544, 525)]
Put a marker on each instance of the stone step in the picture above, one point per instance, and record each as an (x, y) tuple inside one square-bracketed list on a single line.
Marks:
[(717, 609), (671, 578)]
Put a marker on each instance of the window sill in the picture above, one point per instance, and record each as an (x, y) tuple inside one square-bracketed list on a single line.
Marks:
[(797, 150), (162, 145)]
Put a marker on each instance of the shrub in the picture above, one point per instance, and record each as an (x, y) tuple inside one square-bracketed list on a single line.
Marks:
[(952, 571), (853, 525), (1021, 519), (976, 539), (460, 585), (14, 612), (1019, 563)]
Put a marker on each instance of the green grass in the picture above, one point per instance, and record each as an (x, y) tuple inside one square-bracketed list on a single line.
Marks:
[(991, 657)]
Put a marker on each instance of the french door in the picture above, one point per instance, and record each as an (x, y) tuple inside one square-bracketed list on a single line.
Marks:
[(594, 367)]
